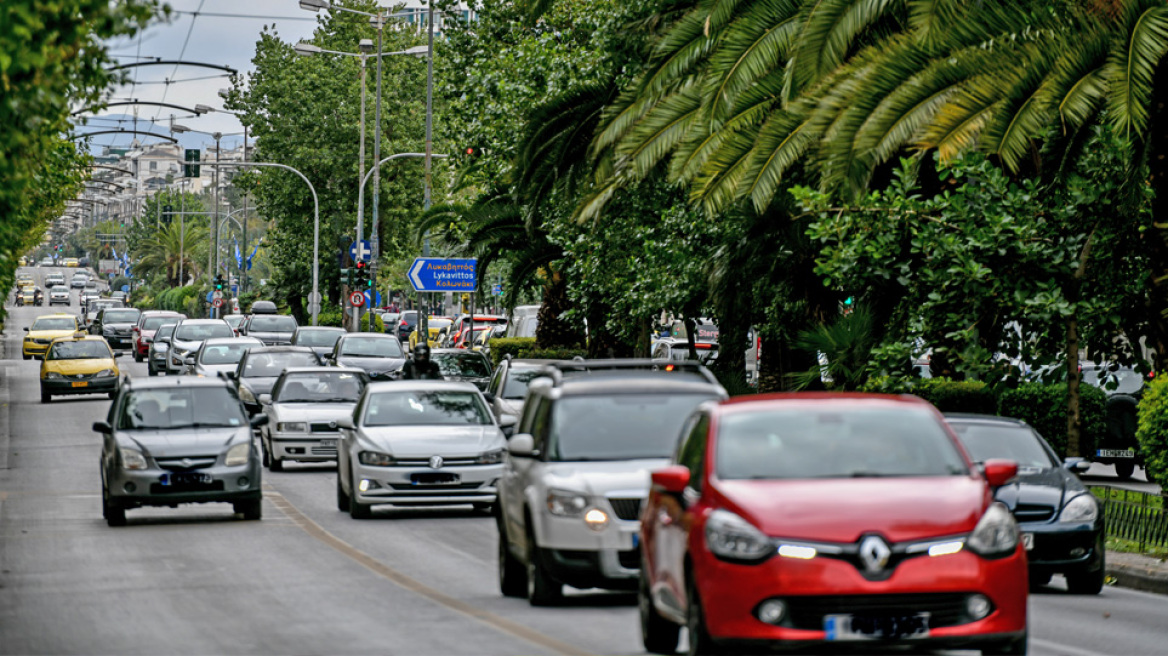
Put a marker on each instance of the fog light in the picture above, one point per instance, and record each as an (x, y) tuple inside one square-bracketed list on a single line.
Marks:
[(243, 481), (1078, 552), (365, 485), (977, 606), (130, 487), (596, 519), (772, 611)]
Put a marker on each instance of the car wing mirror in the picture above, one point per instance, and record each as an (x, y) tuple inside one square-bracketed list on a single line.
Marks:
[(259, 420), (671, 480), (102, 427), (117, 354), (1077, 465), (999, 472), (507, 424), (522, 446), (490, 397), (346, 422), (264, 399), (189, 361)]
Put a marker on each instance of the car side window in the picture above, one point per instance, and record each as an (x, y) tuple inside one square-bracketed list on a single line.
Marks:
[(541, 423), (692, 452), (496, 385)]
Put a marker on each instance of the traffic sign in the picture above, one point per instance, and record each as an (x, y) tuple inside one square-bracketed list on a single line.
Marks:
[(210, 295), (314, 308), (125, 288), (217, 294), (357, 299), (440, 274), (217, 303), (314, 297), (366, 251), (496, 290)]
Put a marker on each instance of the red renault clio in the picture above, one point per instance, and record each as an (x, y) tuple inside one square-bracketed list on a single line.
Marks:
[(842, 519)]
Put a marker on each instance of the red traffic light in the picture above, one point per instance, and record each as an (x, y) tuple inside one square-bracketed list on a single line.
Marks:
[(360, 264)]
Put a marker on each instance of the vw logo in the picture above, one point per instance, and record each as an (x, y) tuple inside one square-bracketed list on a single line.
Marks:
[(874, 553), (187, 462), (436, 462)]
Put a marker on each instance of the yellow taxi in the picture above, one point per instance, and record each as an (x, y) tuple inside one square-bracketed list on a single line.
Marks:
[(44, 330), (79, 364), (438, 325), (23, 279), (72, 262), (30, 294)]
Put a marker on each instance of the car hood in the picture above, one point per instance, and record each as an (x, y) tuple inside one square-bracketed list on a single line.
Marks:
[(841, 510), (313, 411), (372, 365), (1047, 487), (260, 384), (426, 441), (71, 367), (629, 478), (184, 442), (184, 344)]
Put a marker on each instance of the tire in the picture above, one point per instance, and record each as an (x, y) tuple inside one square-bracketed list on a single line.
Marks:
[(267, 459), (46, 397), (358, 510), (252, 509), (151, 370), (1124, 470), (26, 356), (137, 356), (1016, 647), (658, 635), (113, 395), (114, 514), (1039, 580), (1087, 581), (512, 575), (275, 464), (342, 498), (542, 589), (700, 641)]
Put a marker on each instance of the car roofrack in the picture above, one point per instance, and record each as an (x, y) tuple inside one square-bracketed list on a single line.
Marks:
[(558, 368)]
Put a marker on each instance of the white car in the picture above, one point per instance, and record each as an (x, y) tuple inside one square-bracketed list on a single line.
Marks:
[(304, 408), (60, 295), (188, 335), (219, 356), (419, 442)]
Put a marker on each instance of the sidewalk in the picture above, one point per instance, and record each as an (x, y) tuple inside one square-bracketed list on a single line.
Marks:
[(1138, 572)]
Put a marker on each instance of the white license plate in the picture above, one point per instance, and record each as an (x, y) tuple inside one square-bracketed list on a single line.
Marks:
[(330, 442), (1116, 453), (876, 627), (1028, 541)]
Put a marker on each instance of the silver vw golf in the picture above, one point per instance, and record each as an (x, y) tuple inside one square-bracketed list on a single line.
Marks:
[(419, 442)]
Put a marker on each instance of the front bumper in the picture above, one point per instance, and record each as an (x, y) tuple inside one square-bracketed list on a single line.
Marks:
[(1064, 548), (821, 586), (476, 484), (586, 558), (305, 447), (145, 487), (102, 385), (117, 340), (34, 349)]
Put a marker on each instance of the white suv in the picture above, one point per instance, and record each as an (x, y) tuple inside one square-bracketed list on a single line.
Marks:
[(577, 471)]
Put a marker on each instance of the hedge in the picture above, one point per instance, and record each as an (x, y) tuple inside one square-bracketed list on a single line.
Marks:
[(1045, 408), (524, 347), (947, 395), (1152, 431)]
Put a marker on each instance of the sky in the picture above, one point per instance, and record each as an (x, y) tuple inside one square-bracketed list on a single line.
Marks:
[(221, 32)]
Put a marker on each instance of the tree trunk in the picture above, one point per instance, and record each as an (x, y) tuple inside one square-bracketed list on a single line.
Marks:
[(554, 331), (296, 304), (644, 337), (1156, 239), (1074, 420)]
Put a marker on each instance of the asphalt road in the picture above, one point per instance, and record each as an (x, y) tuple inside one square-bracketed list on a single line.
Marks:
[(308, 579)]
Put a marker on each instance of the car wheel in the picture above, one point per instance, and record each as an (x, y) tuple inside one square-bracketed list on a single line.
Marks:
[(1039, 580), (658, 635), (512, 575), (114, 514), (137, 356), (151, 370), (113, 395), (1124, 470), (542, 589), (27, 356), (267, 459), (342, 498), (1088, 581), (250, 509), (700, 641), (275, 464), (358, 510), (1015, 647), (46, 397)]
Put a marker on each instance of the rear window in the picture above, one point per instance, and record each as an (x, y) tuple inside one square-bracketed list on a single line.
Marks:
[(318, 338), (834, 442), (272, 323), (197, 332), (152, 323), (121, 316)]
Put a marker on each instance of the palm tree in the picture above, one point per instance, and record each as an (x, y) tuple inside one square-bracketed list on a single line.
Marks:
[(162, 252)]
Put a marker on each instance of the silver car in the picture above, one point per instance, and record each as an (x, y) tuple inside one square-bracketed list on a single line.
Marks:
[(188, 335), (303, 412), (220, 355), (419, 443), (178, 440), (271, 329), (159, 349), (60, 294)]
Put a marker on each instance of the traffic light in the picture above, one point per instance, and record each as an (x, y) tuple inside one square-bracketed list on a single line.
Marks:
[(191, 168), (363, 279), (218, 282), (346, 277)]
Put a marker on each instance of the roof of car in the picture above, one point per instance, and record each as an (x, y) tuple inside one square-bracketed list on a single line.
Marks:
[(969, 418), (282, 349), (421, 385), (202, 322), (174, 381), (818, 397), (384, 335), (161, 313), (322, 328), (323, 370), (231, 340), (636, 382), (449, 351)]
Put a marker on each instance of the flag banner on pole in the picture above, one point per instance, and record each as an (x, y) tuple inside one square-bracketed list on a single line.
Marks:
[(238, 256), (253, 254)]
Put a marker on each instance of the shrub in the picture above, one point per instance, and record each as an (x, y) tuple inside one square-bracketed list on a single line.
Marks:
[(378, 324), (549, 353), (1045, 408), (1153, 430), (947, 395), (330, 315), (501, 346)]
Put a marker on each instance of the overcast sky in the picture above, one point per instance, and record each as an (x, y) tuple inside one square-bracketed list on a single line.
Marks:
[(222, 32)]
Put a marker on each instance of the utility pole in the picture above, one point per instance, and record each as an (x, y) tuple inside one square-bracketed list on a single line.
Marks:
[(423, 316), (376, 236), (215, 220)]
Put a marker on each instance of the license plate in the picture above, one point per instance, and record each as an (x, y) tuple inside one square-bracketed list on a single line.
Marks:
[(434, 479), (876, 627), (1028, 541), (1116, 453), (329, 442), (186, 478), (81, 383)]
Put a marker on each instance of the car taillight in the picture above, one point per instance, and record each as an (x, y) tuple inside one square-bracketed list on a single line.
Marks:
[(403, 324)]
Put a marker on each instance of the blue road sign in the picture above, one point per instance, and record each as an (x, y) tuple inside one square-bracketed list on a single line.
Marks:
[(366, 250), (372, 299), (210, 296), (440, 274), (125, 288), (496, 290)]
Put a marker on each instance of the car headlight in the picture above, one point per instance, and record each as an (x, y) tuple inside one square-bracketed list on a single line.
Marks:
[(733, 538), (996, 535), (596, 519), (566, 504), (292, 427), (238, 455), (132, 459), (106, 372), (375, 459), (1082, 508), (490, 458), (246, 395), (53, 375)]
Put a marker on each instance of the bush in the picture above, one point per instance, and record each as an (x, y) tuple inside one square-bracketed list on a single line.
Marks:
[(947, 395), (549, 353), (330, 315), (1045, 408), (1153, 431), (501, 346), (378, 324)]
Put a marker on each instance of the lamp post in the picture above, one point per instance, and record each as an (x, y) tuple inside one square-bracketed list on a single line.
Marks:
[(205, 109)]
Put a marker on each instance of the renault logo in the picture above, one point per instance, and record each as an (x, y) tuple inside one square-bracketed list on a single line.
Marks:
[(436, 462), (874, 553)]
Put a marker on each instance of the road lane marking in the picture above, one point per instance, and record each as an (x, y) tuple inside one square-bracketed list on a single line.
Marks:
[(497, 622), (1061, 649)]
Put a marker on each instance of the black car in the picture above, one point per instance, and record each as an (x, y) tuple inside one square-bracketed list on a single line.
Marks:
[(1061, 521), (379, 355), (260, 367), (1118, 446), (320, 339), (116, 325), (463, 366)]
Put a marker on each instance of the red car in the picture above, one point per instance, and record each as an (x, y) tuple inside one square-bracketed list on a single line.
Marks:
[(843, 519), (148, 323)]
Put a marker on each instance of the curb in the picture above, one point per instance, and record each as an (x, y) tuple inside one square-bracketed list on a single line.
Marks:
[(1151, 576)]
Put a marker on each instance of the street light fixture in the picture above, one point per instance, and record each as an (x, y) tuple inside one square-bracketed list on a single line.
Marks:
[(314, 5), (306, 49)]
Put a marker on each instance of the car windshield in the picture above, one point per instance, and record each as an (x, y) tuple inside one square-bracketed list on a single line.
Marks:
[(518, 380), (122, 316), (164, 331), (225, 353), (234, 319), (417, 408), (272, 323), (152, 323), (619, 427), (197, 332), (55, 323), (835, 442), (270, 365), (328, 387), (1119, 381), (462, 364), (318, 338), (371, 347), (1017, 443), (89, 349), (180, 407)]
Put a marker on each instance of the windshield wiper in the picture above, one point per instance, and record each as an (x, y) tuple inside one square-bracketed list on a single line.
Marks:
[(861, 473), (198, 424), (338, 399)]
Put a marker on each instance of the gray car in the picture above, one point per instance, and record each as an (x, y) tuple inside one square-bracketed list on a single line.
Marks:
[(260, 368), (419, 442), (271, 329), (116, 325), (220, 355), (156, 355), (321, 339), (188, 335), (178, 440), (303, 412), (381, 356), (463, 366)]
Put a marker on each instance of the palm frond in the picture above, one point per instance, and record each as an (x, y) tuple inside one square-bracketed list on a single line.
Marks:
[(1133, 62), (753, 47), (828, 30), (661, 130)]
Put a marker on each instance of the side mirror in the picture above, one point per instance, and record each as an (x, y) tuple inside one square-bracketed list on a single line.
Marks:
[(1077, 465), (189, 361), (522, 446), (507, 425), (230, 375), (490, 397), (346, 422), (117, 354), (999, 472), (26, 329), (264, 399), (259, 420), (102, 427), (672, 480)]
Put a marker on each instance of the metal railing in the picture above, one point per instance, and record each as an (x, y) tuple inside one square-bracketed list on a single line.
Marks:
[(1138, 517)]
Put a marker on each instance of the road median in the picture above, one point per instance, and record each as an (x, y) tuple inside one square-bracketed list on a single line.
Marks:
[(1137, 572)]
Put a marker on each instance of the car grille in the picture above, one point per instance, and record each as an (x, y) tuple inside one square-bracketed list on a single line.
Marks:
[(944, 609), (430, 489), (39, 340), (626, 509), (323, 427), (1027, 512), (79, 376), (328, 451), (425, 462), (122, 331), (185, 463), (630, 559)]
